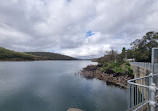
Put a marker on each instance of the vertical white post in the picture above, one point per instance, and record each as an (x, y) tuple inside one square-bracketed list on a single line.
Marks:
[(152, 61), (152, 101)]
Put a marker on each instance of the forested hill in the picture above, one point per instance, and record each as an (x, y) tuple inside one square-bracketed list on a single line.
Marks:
[(10, 55), (51, 56)]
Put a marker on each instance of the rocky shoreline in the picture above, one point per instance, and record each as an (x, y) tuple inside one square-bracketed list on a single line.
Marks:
[(92, 71)]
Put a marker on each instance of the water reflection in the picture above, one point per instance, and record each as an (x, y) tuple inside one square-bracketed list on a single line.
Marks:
[(53, 86)]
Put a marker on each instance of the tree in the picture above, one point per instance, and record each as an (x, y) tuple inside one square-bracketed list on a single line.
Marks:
[(123, 54), (129, 53), (110, 56), (142, 47)]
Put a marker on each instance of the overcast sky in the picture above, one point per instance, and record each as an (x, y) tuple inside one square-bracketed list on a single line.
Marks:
[(78, 28)]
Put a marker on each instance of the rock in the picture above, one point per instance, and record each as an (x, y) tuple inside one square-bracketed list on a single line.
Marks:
[(91, 68), (74, 109), (87, 74), (109, 76), (116, 74), (109, 71)]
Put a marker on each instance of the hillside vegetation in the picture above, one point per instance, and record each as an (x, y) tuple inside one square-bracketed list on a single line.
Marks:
[(6, 54), (9, 55), (51, 56)]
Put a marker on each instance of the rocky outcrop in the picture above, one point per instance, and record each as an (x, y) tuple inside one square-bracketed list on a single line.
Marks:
[(111, 78)]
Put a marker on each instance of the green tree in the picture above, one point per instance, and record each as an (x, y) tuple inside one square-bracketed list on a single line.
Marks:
[(130, 54), (142, 47), (123, 54)]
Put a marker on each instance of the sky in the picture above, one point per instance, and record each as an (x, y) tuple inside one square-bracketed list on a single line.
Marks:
[(78, 28)]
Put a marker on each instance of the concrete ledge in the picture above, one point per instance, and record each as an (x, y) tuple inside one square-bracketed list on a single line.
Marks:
[(139, 71)]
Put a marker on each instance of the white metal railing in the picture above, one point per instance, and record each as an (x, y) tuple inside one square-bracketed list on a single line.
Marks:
[(146, 65), (142, 64), (142, 93)]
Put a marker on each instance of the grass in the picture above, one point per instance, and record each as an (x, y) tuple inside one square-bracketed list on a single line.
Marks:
[(118, 67)]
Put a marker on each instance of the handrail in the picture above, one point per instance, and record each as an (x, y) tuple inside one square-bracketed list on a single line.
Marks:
[(142, 95)]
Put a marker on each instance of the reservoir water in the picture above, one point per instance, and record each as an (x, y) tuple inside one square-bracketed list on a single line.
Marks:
[(55, 86)]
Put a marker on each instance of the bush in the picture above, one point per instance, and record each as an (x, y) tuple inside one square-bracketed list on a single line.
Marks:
[(122, 67), (110, 66), (116, 64), (130, 70), (119, 69), (103, 69), (128, 64), (105, 65)]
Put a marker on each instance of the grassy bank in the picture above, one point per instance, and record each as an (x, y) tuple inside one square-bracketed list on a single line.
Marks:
[(120, 68)]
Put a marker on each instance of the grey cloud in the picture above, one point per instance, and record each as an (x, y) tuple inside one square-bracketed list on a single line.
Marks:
[(61, 25)]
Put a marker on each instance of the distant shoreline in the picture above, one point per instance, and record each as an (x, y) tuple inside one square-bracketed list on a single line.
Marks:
[(10, 55), (42, 60)]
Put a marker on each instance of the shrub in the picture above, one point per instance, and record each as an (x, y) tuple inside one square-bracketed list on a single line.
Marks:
[(105, 65), (116, 64), (128, 64), (119, 69), (110, 66), (122, 67), (130, 70), (103, 69)]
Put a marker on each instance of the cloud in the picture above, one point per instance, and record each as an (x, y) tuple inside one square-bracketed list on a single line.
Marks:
[(92, 47), (62, 25)]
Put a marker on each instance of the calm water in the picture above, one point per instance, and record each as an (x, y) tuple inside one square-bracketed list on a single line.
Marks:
[(55, 86)]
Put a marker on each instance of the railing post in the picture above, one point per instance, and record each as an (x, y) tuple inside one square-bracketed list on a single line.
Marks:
[(129, 98), (152, 101)]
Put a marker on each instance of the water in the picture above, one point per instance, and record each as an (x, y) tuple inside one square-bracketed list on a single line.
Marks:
[(55, 86)]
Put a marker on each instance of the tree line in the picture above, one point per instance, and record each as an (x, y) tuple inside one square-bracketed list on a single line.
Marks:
[(141, 49)]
